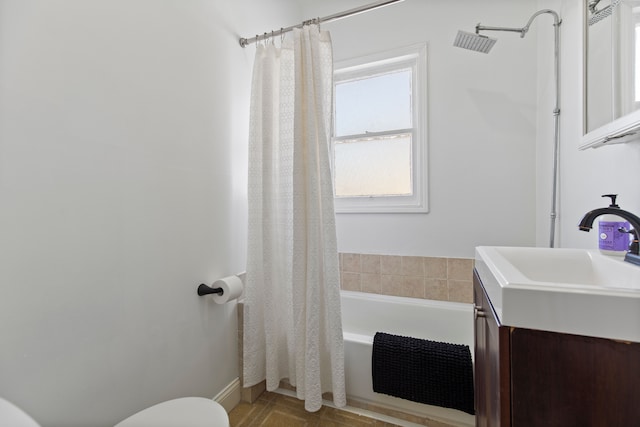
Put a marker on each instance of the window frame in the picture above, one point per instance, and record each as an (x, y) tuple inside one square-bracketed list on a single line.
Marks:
[(634, 54), (412, 57)]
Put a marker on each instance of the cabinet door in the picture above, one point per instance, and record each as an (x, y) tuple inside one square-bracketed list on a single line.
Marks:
[(564, 380), (492, 367), (481, 382)]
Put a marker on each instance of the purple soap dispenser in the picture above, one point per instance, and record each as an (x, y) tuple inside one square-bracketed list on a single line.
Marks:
[(612, 241)]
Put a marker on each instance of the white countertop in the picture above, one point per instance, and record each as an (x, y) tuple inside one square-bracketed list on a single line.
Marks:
[(574, 291)]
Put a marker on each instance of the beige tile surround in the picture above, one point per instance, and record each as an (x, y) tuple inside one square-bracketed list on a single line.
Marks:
[(444, 279)]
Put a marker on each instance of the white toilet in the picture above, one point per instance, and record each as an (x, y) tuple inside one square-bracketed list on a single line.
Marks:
[(11, 415), (183, 412)]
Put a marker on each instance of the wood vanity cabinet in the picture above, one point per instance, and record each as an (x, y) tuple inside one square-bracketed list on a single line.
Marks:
[(531, 378)]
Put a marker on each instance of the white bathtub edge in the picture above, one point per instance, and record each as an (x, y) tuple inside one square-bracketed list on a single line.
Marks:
[(462, 306)]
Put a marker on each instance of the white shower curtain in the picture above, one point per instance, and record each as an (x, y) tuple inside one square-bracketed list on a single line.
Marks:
[(292, 320)]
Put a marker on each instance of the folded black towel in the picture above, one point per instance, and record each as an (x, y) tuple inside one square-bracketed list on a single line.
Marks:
[(424, 371)]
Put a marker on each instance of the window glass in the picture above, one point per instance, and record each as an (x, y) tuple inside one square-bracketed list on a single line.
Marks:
[(373, 167), (379, 144), (374, 103)]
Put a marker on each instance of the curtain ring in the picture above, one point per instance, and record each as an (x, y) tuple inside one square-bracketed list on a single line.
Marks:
[(281, 35), (273, 40)]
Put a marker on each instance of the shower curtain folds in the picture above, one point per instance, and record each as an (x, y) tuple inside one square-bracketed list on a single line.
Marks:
[(292, 318)]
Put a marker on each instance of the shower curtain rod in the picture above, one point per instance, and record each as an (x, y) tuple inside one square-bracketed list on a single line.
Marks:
[(244, 42)]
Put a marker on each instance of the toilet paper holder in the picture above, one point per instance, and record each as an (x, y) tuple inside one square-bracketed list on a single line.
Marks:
[(206, 290)]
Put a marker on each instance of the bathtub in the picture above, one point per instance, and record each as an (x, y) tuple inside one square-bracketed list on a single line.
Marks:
[(365, 314)]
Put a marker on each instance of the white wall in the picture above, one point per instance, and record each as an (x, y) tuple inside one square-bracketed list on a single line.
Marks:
[(482, 126), (123, 134), (584, 175), (490, 130)]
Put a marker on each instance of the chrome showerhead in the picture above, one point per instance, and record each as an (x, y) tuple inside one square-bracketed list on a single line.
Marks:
[(473, 41), (599, 15)]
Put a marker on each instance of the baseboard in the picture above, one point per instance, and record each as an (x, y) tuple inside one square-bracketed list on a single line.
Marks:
[(229, 397), (251, 394)]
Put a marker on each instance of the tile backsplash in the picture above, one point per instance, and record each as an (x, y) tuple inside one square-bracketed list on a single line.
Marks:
[(444, 279)]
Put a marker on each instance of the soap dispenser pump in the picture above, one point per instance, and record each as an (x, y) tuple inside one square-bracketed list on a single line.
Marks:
[(612, 236)]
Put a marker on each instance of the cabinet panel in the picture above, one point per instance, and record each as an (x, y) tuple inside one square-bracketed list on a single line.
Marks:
[(567, 380), (481, 363), (531, 378), (492, 375)]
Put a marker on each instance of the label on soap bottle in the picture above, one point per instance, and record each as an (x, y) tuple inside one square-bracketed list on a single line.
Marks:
[(611, 239)]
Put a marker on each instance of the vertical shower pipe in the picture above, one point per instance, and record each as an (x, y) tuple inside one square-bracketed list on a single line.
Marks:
[(556, 124)]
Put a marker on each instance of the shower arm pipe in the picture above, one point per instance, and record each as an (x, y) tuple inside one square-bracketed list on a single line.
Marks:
[(336, 16), (523, 31), (479, 28), (556, 109)]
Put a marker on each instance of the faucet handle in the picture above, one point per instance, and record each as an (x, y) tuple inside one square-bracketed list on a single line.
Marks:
[(631, 231), (613, 200), (634, 246)]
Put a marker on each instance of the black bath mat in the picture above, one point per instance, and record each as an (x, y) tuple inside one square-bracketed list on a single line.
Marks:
[(424, 371)]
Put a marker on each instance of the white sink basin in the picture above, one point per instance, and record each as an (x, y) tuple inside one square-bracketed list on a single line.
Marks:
[(573, 291)]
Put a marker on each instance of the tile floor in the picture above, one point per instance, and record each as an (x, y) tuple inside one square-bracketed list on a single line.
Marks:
[(277, 410)]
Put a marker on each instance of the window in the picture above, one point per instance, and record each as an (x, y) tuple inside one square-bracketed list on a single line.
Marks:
[(379, 136)]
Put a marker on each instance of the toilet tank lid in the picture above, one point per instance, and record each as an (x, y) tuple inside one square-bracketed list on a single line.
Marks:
[(185, 412), (11, 415)]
